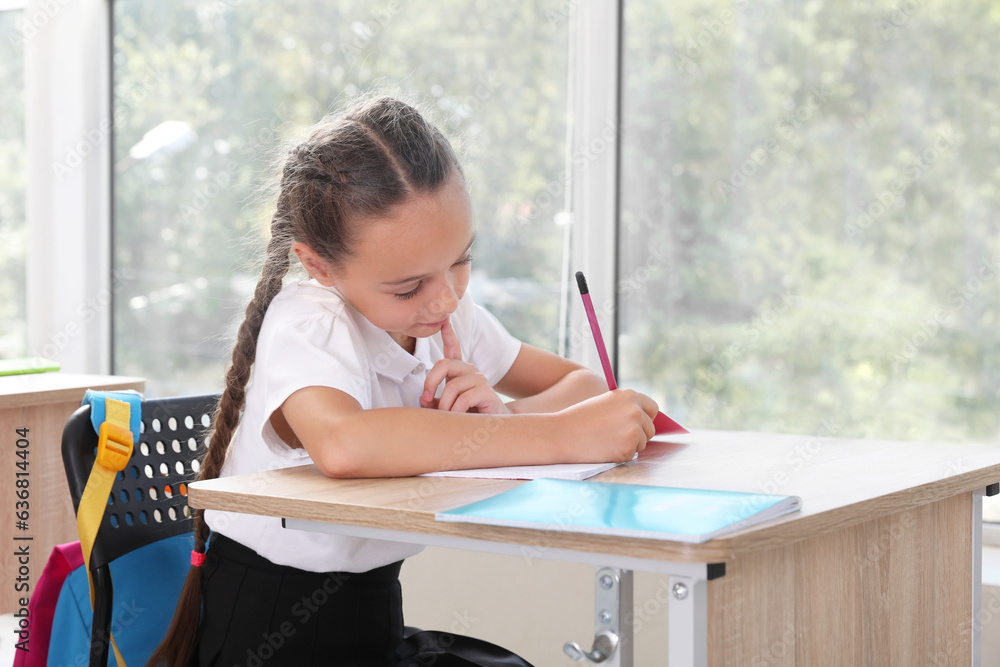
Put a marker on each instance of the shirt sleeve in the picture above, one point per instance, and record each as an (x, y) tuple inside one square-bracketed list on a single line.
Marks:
[(319, 351), (490, 347)]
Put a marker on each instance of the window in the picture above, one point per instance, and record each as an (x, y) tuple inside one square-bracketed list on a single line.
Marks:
[(204, 94), (809, 236), (13, 231)]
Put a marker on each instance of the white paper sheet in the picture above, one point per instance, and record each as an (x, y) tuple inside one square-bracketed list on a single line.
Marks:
[(554, 471)]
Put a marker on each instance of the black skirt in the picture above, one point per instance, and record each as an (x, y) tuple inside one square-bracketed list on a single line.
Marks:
[(256, 613)]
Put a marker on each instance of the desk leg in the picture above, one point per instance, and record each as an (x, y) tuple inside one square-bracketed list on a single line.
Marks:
[(688, 622), (977, 576)]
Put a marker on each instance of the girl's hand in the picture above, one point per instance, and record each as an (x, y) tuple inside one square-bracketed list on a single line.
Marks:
[(611, 427), (465, 389)]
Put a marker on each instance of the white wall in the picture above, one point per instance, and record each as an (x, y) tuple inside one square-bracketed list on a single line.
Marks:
[(529, 606)]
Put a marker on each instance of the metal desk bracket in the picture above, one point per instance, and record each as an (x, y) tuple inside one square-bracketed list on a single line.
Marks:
[(612, 621)]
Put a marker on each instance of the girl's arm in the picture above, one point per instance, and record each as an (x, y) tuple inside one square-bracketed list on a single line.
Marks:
[(345, 440), (540, 381)]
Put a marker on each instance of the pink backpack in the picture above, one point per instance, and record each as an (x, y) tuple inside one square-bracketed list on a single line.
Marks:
[(42, 607)]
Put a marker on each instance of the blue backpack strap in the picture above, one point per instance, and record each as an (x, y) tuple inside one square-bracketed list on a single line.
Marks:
[(98, 414)]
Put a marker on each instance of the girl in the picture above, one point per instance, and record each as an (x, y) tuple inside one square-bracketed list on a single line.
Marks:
[(346, 370)]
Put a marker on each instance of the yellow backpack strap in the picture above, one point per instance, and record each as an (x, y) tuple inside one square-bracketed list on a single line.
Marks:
[(116, 436)]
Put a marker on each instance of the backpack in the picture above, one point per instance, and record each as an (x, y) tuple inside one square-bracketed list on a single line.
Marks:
[(32, 649), (145, 582)]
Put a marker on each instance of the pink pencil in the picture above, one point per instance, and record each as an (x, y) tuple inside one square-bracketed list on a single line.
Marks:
[(662, 423)]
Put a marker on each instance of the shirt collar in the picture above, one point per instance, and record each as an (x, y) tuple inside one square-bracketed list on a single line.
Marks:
[(387, 357)]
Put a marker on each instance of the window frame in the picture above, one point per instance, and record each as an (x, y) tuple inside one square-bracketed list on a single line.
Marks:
[(593, 158), (68, 134)]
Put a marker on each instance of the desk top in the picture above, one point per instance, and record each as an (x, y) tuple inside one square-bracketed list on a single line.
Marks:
[(841, 482), (33, 388)]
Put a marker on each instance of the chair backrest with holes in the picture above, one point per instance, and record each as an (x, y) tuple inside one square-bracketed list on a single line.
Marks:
[(149, 498), (147, 506)]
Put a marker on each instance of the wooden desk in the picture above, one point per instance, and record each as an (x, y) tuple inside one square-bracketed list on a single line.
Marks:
[(881, 566), (40, 403)]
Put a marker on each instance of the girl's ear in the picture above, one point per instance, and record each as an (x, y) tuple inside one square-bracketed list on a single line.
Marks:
[(317, 267)]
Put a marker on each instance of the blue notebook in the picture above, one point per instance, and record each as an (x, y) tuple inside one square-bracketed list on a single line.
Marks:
[(630, 510)]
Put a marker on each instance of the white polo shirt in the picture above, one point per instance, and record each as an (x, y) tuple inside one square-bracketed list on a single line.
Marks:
[(311, 337)]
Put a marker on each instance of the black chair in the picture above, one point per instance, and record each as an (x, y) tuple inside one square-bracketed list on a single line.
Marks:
[(148, 501)]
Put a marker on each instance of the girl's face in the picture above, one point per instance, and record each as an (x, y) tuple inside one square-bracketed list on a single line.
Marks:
[(408, 270)]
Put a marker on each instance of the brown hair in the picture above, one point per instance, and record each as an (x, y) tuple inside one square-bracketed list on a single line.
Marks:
[(360, 165)]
